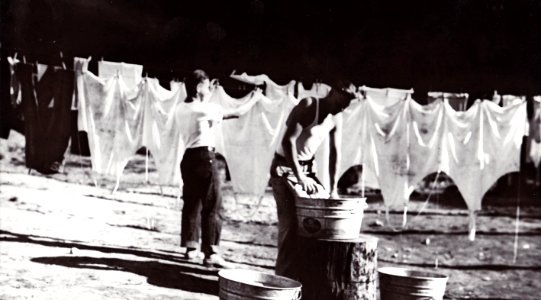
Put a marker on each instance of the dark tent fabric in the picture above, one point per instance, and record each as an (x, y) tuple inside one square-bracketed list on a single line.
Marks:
[(46, 108)]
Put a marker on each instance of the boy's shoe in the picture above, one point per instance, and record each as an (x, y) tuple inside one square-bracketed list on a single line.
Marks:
[(191, 254), (216, 261)]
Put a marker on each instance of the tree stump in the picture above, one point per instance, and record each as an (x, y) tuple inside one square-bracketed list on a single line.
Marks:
[(338, 269)]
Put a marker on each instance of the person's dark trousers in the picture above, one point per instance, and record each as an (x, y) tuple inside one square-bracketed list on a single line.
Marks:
[(202, 200)]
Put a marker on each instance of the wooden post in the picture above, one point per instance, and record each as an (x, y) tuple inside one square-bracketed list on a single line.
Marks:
[(338, 269)]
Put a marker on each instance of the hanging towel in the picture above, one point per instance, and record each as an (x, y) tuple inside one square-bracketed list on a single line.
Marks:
[(386, 96), (458, 101), (132, 74), (162, 129), (112, 116), (248, 143)]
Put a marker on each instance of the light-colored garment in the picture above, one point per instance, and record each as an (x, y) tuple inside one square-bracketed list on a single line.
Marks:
[(132, 74), (512, 99), (201, 121), (508, 100), (458, 101), (251, 79), (273, 90), (248, 142), (318, 90), (386, 96), (161, 128), (79, 66), (405, 142), (112, 115), (534, 137), (14, 84)]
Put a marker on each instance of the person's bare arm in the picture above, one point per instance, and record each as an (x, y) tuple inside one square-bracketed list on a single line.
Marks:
[(289, 144)]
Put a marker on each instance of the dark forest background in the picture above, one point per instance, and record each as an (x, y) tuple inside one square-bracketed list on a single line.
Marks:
[(457, 46)]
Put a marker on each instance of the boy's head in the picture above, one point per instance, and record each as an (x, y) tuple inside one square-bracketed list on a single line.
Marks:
[(197, 84)]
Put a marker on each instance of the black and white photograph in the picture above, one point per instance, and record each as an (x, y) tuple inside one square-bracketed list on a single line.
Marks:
[(270, 149)]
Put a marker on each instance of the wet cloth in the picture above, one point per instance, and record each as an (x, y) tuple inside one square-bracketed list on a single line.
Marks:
[(405, 142), (161, 128), (46, 107), (79, 65), (132, 74), (508, 100), (534, 137), (318, 90), (386, 96), (273, 90), (112, 116), (458, 101), (248, 142)]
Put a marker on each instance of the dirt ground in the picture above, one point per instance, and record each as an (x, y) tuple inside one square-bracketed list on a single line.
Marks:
[(62, 237)]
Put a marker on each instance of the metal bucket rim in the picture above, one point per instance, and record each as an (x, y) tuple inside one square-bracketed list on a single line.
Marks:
[(231, 274), (409, 273)]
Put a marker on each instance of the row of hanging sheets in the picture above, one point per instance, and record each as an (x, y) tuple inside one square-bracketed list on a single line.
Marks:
[(397, 139)]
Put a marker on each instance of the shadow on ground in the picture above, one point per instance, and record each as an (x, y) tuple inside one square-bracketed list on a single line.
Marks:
[(178, 273), (160, 274)]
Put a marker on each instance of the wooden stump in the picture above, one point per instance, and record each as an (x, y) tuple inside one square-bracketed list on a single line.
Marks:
[(338, 269)]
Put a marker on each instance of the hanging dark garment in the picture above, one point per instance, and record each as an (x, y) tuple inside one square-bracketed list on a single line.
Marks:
[(47, 113), (10, 111)]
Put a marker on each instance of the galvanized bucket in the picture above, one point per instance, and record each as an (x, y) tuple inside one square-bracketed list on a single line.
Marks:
[(330, 218), (247, 284), (405, 284)]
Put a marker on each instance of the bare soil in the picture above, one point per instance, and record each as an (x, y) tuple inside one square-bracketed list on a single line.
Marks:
[(63, 237)]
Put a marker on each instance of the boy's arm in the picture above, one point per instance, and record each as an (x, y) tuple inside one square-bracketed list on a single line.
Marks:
[(289, 144)]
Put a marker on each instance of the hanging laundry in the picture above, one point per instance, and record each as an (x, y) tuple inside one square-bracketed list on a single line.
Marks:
[(534, 137), (508, 100), (248, 143), (273, 90), (405, 142), (79, 65), (512, 99), (11, 116), (132, 74), (458, 101), (482, 143), (112, 116), (386, 96), (161, 128), (251, 79), (46, 106), (381, 97), (319, 90)]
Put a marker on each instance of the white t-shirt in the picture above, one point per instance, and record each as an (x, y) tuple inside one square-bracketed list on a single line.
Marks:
[(200, 119)]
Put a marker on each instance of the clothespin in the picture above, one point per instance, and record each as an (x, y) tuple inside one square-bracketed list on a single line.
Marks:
[(89, 58), (24, 59), (233, 73)]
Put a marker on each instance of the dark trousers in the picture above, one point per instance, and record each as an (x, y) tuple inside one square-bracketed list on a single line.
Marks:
[(202, 209)]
